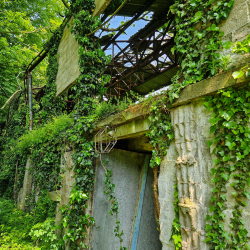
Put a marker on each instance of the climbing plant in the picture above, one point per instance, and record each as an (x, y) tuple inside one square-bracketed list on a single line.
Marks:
[(197, 40), (230, 117), (114, 209)]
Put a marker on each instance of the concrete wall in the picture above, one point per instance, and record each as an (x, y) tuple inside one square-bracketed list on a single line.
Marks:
[(27, 186), (236, 27), (188, 162), (68, 68)]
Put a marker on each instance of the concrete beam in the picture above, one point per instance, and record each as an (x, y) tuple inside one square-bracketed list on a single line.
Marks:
[(132, 129), (211, 86), (100, 6)]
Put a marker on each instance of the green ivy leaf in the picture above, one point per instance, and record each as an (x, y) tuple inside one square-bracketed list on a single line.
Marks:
[(230, 145), (226, 158), (158, 160), (216, 161), (213, 171), (225, 176), (197, 16), (238, 74), (209, 143)]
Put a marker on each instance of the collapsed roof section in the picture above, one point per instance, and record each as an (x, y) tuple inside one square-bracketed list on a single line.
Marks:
[(144, 62)]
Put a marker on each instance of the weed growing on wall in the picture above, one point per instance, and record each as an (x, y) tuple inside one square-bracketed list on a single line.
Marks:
[(230, 126)]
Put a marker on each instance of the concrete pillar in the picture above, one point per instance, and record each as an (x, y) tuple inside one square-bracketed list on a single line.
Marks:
[(27, 186)]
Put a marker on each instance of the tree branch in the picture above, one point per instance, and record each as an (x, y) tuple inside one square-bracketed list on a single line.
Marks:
[(66, 4)]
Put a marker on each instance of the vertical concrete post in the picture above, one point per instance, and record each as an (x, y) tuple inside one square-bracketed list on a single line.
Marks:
[(27, 186)]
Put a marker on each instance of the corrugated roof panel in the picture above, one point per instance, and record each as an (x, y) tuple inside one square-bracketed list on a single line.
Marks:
[(157, 82)]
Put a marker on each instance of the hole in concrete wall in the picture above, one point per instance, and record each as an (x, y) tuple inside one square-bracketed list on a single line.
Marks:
[(138, 144)]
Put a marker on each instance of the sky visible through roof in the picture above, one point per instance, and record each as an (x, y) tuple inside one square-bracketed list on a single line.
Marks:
[(130, 31)]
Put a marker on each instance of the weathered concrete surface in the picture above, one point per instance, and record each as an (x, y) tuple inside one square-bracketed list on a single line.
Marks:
[(128, 115), (68, 68), (210, 86), (68, 178), (126, 175), (133, 129), (101, 5), (130, 128), (126, 167), (62, 195), (27, 186), (54, 195), (166, 182), (191, 127), (236, 27), (140, 144)]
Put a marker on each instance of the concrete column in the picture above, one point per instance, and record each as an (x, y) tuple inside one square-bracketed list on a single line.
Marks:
[(27, 186)]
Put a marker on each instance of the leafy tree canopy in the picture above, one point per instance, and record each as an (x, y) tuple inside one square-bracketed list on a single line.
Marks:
[(25, 25)]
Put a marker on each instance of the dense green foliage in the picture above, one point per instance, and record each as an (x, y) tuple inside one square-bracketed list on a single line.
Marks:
[(198, 40), (230, 119), (197, 45), (44, 143), (17, 228), (25, 25)]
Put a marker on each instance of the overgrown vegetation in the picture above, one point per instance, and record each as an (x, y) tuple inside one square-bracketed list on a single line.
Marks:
[(198, 42), (21, 230), (25, 25), (230, 119)]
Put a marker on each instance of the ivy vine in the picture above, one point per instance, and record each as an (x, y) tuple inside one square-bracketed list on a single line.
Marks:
[(197, 40), (230, 118), (114, 209)]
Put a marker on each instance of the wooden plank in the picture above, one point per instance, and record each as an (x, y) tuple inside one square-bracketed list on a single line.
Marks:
[(142, 188)]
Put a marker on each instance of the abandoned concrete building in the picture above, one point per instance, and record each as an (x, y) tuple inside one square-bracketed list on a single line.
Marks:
[(143, 63)]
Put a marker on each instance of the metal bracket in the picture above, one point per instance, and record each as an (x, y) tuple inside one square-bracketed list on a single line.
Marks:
[(105, 140)]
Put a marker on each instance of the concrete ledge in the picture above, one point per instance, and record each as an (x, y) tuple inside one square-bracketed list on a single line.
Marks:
[(128, 115), (209, 87)]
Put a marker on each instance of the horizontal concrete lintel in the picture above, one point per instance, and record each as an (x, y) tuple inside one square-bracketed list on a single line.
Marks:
[(123, 117), (132, 129)]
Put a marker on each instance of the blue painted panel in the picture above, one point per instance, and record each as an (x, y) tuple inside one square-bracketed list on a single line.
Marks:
[(140, 203)]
